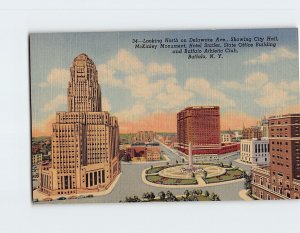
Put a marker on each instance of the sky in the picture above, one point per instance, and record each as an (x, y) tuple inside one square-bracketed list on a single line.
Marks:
[(145, 88)]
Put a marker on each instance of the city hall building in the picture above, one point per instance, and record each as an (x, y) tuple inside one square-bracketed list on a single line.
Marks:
[(200, 126), (281, 178), (85, 139)]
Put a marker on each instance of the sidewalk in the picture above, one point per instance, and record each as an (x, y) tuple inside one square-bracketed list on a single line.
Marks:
[(40, 196), (244, 196), (241, 162)]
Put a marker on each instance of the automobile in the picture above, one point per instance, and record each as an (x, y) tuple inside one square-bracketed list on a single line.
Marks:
[(72, 197), (80, 197), (48, 199), (61, 198), (90, 195)]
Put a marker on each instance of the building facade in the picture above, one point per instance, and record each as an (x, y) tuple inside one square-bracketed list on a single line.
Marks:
[(144, 152), (264, 127), (85, 139), (252, 132), (36, 159), (280, 180), (200, 126), (226, 137), (255, 151), (143, 136)]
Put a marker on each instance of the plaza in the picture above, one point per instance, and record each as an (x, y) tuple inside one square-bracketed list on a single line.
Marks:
[(131, 183)]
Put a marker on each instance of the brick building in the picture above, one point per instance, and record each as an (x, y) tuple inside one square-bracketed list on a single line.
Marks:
[(144, 152), (281, 179), (200, 126), (143, 136), (252, 132)]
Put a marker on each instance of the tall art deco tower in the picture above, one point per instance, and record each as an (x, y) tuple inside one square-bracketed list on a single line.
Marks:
[(85, 140)]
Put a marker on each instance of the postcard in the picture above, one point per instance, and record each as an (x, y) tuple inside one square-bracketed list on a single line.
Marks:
[(165, 116)]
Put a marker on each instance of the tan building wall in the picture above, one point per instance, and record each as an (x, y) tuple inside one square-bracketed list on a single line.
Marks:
[(85, 141), (36, 159)]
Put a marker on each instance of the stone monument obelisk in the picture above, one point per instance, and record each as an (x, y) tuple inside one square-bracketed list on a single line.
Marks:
[(190, 157)]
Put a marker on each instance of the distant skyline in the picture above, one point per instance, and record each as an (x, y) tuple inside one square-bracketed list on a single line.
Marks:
[(145, 88)]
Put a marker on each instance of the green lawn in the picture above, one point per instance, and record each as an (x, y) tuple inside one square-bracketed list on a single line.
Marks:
[(157, 179), (155, 169), (231, 174)]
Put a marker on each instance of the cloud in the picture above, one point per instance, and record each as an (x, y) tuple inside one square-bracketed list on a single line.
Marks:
[(106, 76), (173, 95), (292, 86), (281, 53), (212, 95), (273, 95), (135, 112), (126, 62), (232, 85), (267, 94), (256, 80), (53, 105), (166, 69), (253, 81), (141, 86), (56, 77)]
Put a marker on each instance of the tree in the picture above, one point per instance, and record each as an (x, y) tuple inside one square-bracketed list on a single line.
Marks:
[(136, 199), (186, 193), (204, 174), (200, 191), (151, 196), (176, 161), (206, 193), (221, 164), (230, 164), (193, 175), (162, 195), (182, 160), (195, 192), (168, 194), (151, 167), (212, 196), (146, 196), (168, 163), (247, 183), (217, 198)]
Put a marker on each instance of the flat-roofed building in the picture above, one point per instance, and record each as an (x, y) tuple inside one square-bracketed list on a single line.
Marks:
[(255, 151), (281, 179)]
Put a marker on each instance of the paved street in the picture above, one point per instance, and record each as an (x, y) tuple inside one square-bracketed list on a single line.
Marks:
[(130, 183)]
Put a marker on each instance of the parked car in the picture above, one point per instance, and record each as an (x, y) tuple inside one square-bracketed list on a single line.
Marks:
[(61, 198)]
